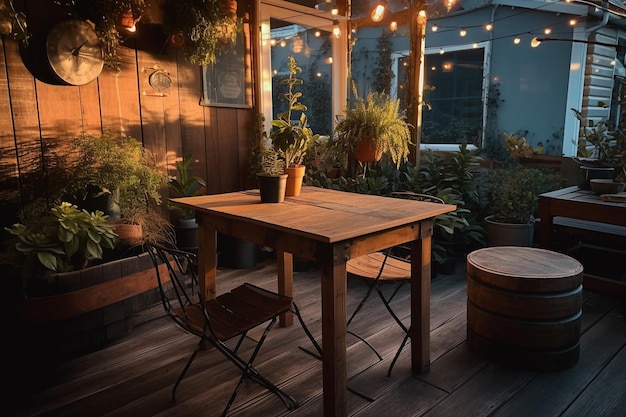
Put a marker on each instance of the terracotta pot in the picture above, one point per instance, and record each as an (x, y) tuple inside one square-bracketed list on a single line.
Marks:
[(366, 151), (295, 176), (126, 21), (177, 40), (128, 234)]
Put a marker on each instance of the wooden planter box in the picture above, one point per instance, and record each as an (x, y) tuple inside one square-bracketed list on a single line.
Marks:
[(89, 307)]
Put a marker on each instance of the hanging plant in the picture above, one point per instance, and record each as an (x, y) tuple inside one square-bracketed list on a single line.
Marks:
[(202, 28), (111, 16), (13, 23)]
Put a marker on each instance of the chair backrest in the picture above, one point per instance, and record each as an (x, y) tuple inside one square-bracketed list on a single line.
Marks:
[(179, 294)]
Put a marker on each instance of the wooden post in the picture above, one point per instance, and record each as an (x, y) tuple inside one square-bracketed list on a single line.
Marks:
[(417, 24)]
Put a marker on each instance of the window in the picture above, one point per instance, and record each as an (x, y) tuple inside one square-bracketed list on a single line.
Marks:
[(454, 87), (304, 33)]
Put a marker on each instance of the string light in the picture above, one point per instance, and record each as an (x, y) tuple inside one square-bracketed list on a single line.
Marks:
[(393, 26), (336, 30), (547, 31), (517, 40), (434, 28), (463, 32), (379, 11), (489, 27)]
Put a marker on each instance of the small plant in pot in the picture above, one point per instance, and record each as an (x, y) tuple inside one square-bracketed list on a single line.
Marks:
[(185, 185), (373, 127), (271, 177), (293, 139), (118, 166), (512, 194)]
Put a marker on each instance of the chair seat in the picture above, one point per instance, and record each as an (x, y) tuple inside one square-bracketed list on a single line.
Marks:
[(368, 266)]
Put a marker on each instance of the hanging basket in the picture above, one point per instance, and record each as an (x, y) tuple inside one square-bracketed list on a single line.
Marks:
[(366, 151)]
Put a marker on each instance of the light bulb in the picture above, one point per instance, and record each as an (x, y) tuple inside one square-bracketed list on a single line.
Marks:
[(463, 32), (535, 42), (379, 11), (393, 26), (336, 30)]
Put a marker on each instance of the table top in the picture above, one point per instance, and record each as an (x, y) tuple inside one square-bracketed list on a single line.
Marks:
[(321, 214), (576, 195)]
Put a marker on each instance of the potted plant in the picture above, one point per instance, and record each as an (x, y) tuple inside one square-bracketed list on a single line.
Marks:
[(13, 23), (293, 139), (603, 148), (202, 28), (373, 127), (186, 185), (63, 240), (109, 17), (512, 196), (272, 179), (118, 167)]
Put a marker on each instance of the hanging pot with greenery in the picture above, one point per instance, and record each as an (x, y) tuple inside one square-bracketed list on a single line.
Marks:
[(202, 28), (111, 17)]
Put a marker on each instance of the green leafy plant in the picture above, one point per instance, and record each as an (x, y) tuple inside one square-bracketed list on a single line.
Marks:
[(61, 241), (185, 185), (13, 23), (377, 117), (512, 193), (293, 139), (106, 14), (113, 162), (608, 143), (271, 162), (517, 146), (204, 26)]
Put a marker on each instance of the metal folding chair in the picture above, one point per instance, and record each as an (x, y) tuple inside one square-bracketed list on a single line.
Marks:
[(380, 268), (228, 317)]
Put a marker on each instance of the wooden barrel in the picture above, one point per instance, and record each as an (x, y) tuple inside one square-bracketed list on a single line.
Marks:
[(524, 307)]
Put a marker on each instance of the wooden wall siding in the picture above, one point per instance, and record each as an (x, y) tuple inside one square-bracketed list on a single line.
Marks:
[(35, 114)]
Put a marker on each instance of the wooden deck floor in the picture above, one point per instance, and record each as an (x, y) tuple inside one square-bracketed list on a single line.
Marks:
[(134, 376)]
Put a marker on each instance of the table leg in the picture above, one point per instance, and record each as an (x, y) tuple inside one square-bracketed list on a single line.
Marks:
[(544, 227), (335, 383), (207, 258), (420, 302), (284, 264)]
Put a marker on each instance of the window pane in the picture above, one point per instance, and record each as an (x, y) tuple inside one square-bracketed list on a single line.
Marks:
[(453, 96), (311, 49)]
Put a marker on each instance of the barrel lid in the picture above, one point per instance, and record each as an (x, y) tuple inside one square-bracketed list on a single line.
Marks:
[(522, 267)]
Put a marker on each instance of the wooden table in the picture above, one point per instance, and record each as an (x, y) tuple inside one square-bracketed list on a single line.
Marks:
[(574, 203), (328, 227)]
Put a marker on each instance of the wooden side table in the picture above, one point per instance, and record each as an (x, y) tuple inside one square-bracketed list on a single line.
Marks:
[(524, 307)]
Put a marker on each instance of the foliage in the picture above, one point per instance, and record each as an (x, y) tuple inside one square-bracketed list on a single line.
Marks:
[(609, 144), (14, 23), (517, 146), (271, 161), (106, 14), (185, 185), (453, 178), (115, 162), (512, 193), (206, 28), (61, 241), (384, 65), (292, 139), (379, 118)]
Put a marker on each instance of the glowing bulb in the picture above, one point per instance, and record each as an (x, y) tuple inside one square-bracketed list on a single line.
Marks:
[(334, 11), (379, 11), (273, 42), (336, 30), (283, 43), (463, 32), (393, 26), (441, 52), (535, 42), (572, 22), (516, 41), (489, 27), (434, 28), (318, 33), (547, 31)]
